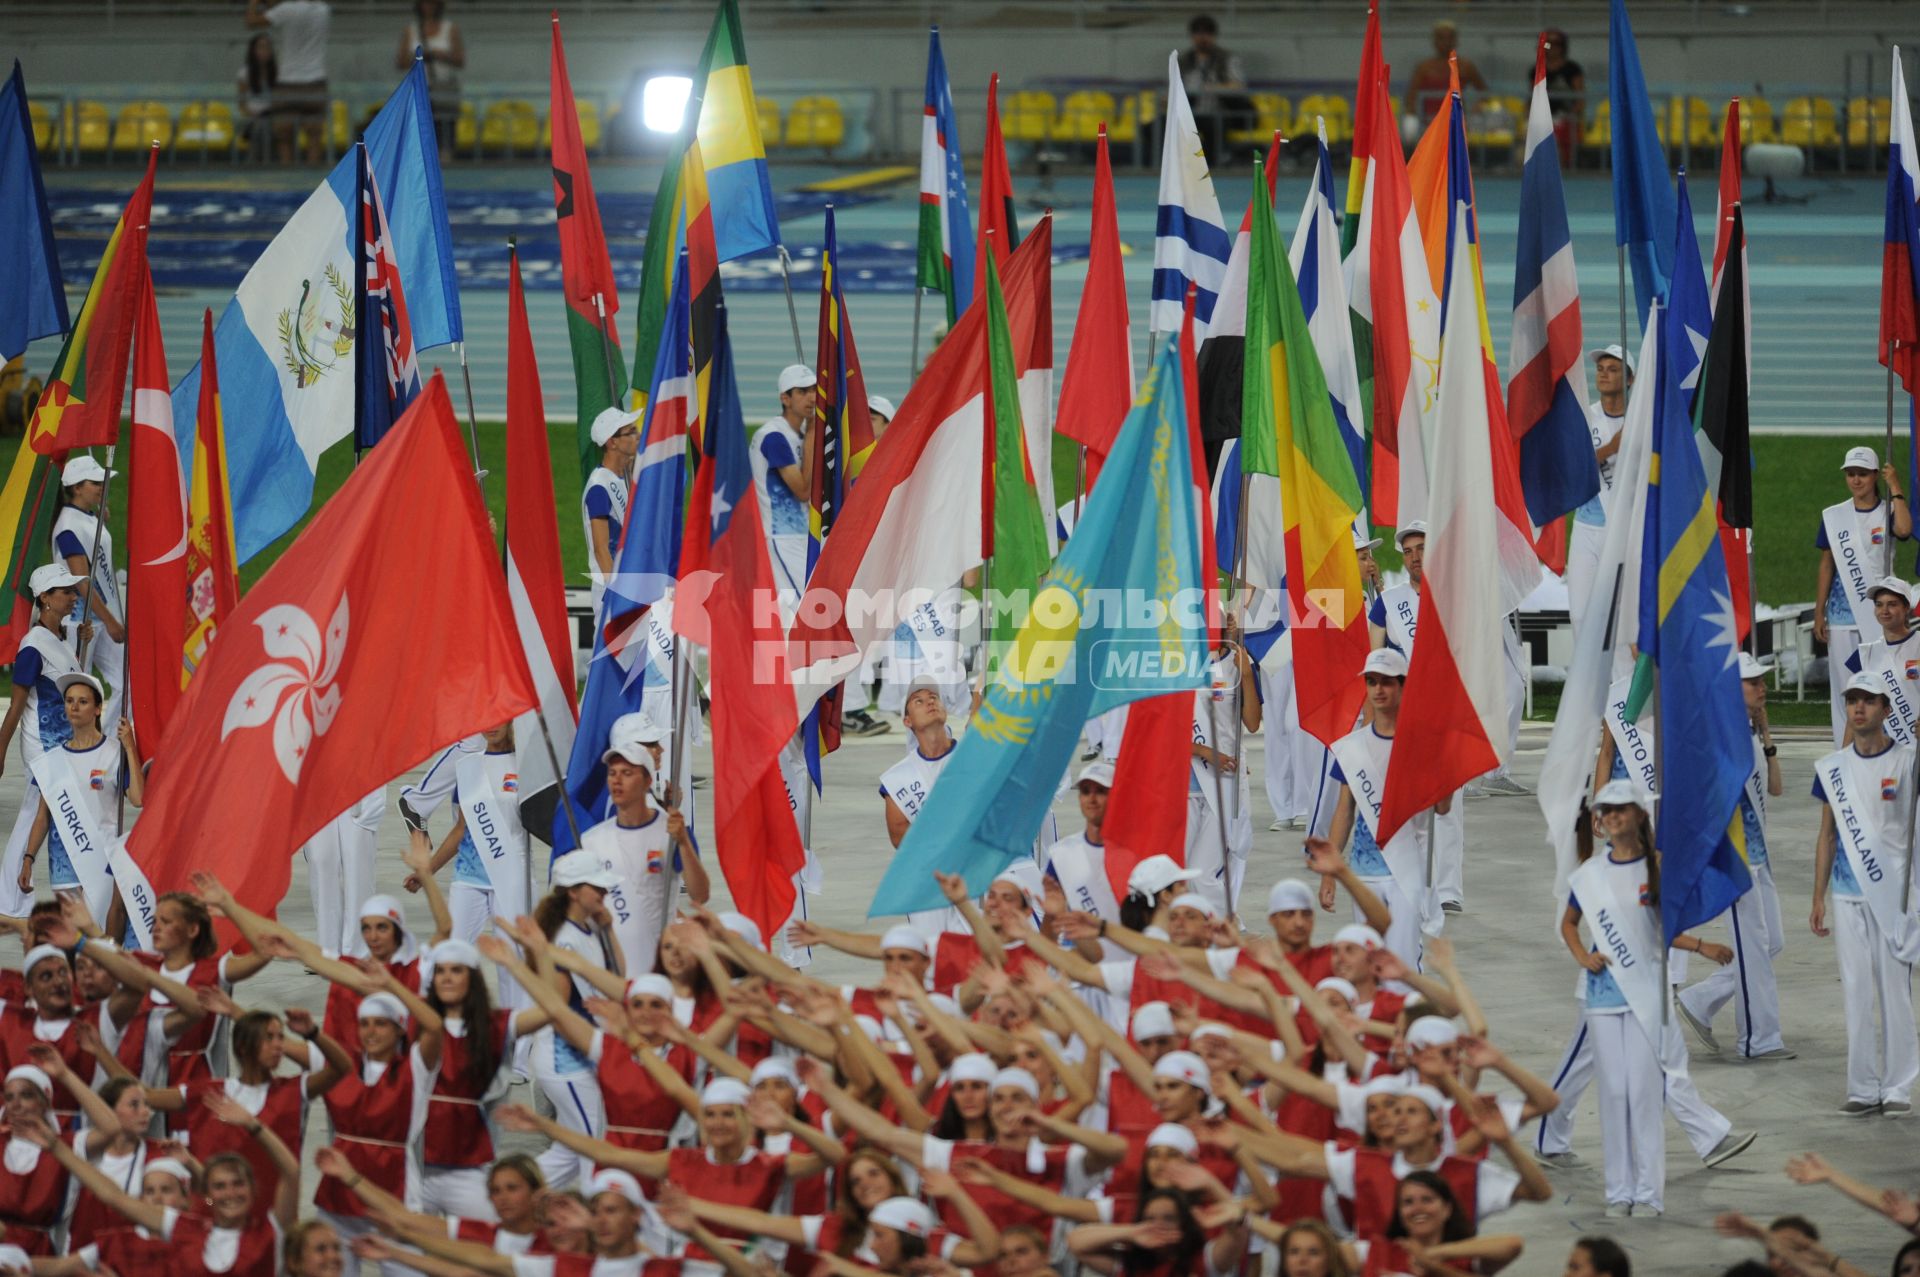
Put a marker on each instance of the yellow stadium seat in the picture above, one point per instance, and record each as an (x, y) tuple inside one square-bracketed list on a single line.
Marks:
[(1810, 122), (92, 133), (588, 113), (769, 112), (1599, 131), (1869, 121), (140, 125), (1027, 116), (1756, 121), (511, 127), (816, 122), (1269, 117), (339, 127), (204, 127), (1081, 115), (42, 125), (1328, 106), (466, 129), (1689, 118), (1494, 123)]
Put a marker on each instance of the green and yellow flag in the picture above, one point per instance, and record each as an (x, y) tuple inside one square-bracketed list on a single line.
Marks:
[(1014, 532)]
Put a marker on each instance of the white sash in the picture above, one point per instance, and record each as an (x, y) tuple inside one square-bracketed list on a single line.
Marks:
[(1634, 740), (1406, 852), (1223, 676), (1884, 660), (1402, 607), (1757, 784), (494, 828), (1862, 546), (70, 813), (1880, 869), (1628, 932), (136, 893)]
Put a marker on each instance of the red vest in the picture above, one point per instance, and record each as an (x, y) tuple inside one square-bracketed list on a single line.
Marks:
[(484, 1233), (258, 1254), (1130, 1110), (187, 1056), (92, 1217), (639, 1112), (124, 1250), (750, 1044), (754, 1183), (1375, 1184), (284, 1114), (31, 1205), (16, 1035), (370, 1126), (1004, 1211), (456, 1134), (342, 1022), (957, 954)]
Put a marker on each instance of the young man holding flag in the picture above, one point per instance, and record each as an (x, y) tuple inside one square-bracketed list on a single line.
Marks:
[(609, 490), (783, 480), (1612, 377), (1856, 549)]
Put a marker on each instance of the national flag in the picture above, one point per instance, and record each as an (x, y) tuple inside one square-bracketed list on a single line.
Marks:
[(1288, 429), (80, 407), (1315, 258), (213, 578), (915, 516), (1686, 297), (536, 577), (593, 299), (1730, 157), (1197, 463), (1389, 278), (1547, 396), (1353, 250), (1642, 200), (386, 373), (1014, 533), (29, 263), (1137, 539), (1900, 253), (1453, 719), (325, 685), (1190, 240), (1097, 388), (946, 262), (724, 605), (1688, 630), (999, 220), (1443, 184), (1221, 366), (156, 537), (286, 338), (735, 154), (1721, 413)]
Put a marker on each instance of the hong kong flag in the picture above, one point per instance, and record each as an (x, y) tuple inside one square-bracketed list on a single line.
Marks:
[(354, 657)]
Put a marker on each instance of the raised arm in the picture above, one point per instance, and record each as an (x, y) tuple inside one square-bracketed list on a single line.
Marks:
[(1067, 962), (1440, 957), (1104, 1149), (1333, 1033), (286, 1196), (518, 1117), (1534, 1186), (852, 1115), (1387, 966), (672, 1204), (1078, 1210), (567, 1022), (36, 1131), (1325, 860), (860, 944), (102, 1124), (1480, 1054), (1812, 1168), (418, 857)]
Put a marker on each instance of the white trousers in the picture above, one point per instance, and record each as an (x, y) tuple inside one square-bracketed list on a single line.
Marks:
[(1758, 938), (1404, 939), (1702, 1124), (1280, 724), (1842, 642), (577, 1105), (473, 909), (1633, 1129), (1882, 1061), (1450, 851), (15, 903), (1204, 850), (460, 1191), (340, 876), (1519, 668), (1584, 545), (109, 662)]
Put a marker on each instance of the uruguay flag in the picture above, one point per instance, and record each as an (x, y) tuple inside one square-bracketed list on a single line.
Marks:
[(285, 343), (1317, 269), (1190, 239), (1547, 397), (1900, 256)]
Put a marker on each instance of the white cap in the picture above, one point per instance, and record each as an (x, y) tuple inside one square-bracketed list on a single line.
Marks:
[(971, 1067), (629, 737), (1156, 873), (454, 953), (1361, 541), (796, 377), (1211, 1029), (1195, 901), (871, 1027), (926, 683), (776, 1066), (1019, 1080), (650, 985), (1385, 661), (29, 1073), (1335, 984), (1385, 1084), (52, 576), (1152, 1020), (744, 927), (725, 1090), (1618, 793), (383, 1006), (1174, 1136), (616, 1182), (609, 423), (584, 869), (80, 469), (1891, 585), (1289, 894), (1100, 772), (168, 1166), (902, 936), (39, 954), (1185, 1066), (1615, 351), (68, 680), (1361, 934), (1861, 458), (1868, 683), (1430, 1096), (385, 906), (882, 405), (1025, 875), (1752, 666), (1411, 528), (903, 1215), (1431, 1030)]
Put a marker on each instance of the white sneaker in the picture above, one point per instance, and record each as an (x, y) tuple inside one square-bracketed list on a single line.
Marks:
[(1619, 1210), (1277, 825)]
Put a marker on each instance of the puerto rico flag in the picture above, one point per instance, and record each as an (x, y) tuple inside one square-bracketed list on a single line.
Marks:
[(386, 372)]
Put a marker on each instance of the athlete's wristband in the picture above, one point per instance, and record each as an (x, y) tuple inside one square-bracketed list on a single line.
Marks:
[(1770, 751)]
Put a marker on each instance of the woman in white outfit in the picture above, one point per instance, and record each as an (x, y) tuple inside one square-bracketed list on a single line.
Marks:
[(81, 779), (78, 538), (43, 658)]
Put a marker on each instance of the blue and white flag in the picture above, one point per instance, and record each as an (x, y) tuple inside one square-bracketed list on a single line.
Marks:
[(36, 304), (1689, 307), (1319, 272), (1642, 200), (1190, 239), (285, 342)]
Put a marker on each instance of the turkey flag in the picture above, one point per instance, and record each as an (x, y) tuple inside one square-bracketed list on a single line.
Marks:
[(382, 635)]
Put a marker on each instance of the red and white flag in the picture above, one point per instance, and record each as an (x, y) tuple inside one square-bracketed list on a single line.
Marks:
[(1453, 720), (536, 579), (156, 538), (346, 664)]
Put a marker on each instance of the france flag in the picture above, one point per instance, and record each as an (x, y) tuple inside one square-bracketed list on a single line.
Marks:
[(285, 342)]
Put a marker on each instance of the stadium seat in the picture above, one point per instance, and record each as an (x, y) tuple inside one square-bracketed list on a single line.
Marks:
[(1137, 110), (1689, 118), (339, 127), (466, 129), (205, 127), (1756, 121), (1269, 117), (1869, 121), (1330, 107), (1599, 133), (510, 127), (42, 124), (769, 112), (141, 124), (1810, 122), (93, 132), (1081, 115), (588, 112), (816, 122), (1027, 116), (1495, 123)]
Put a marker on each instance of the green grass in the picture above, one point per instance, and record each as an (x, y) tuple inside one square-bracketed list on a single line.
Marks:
[(1782, 709)]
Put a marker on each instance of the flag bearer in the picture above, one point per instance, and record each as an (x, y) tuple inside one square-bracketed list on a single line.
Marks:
[(1612, 377), (1894, 656), (43, 659), (1856, 549), (1219, 801), (646, 848), (603, 502), (79, 539), (783, 478)]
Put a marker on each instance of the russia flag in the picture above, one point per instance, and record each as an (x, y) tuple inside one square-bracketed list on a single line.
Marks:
[(1900, 258)]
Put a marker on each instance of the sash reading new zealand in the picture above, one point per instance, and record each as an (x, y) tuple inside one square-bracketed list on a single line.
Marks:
[(1881, 870)]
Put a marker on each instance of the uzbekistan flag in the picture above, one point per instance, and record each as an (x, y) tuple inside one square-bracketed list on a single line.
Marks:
[(946, 264), (1900, 255)]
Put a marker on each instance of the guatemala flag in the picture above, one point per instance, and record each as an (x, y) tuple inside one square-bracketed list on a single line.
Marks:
[(1547, 397), (285, 343), (1190, 239), (1317, 269)]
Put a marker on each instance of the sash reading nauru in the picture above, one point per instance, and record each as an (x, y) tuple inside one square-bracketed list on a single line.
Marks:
[(494, 830), (1879, 858), (1862, 547), (69, 799), (1362, 756), (1628, 932), (1632, 740)]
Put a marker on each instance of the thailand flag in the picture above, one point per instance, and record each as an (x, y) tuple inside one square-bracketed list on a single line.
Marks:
[(1900, 257), (1190, 240), (1547, 398), (385, 371)]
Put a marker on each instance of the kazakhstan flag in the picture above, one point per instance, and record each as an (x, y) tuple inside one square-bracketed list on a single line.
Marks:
[(1688, 630), (1118, 618)]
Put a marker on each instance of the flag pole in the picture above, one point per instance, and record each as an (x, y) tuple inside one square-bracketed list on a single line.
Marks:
[(793, 315), (1893, 348), (1220, 790), (607, 351), (1620, 261), (1079, 484), (473, 428), (560, 779), (913, 360)]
